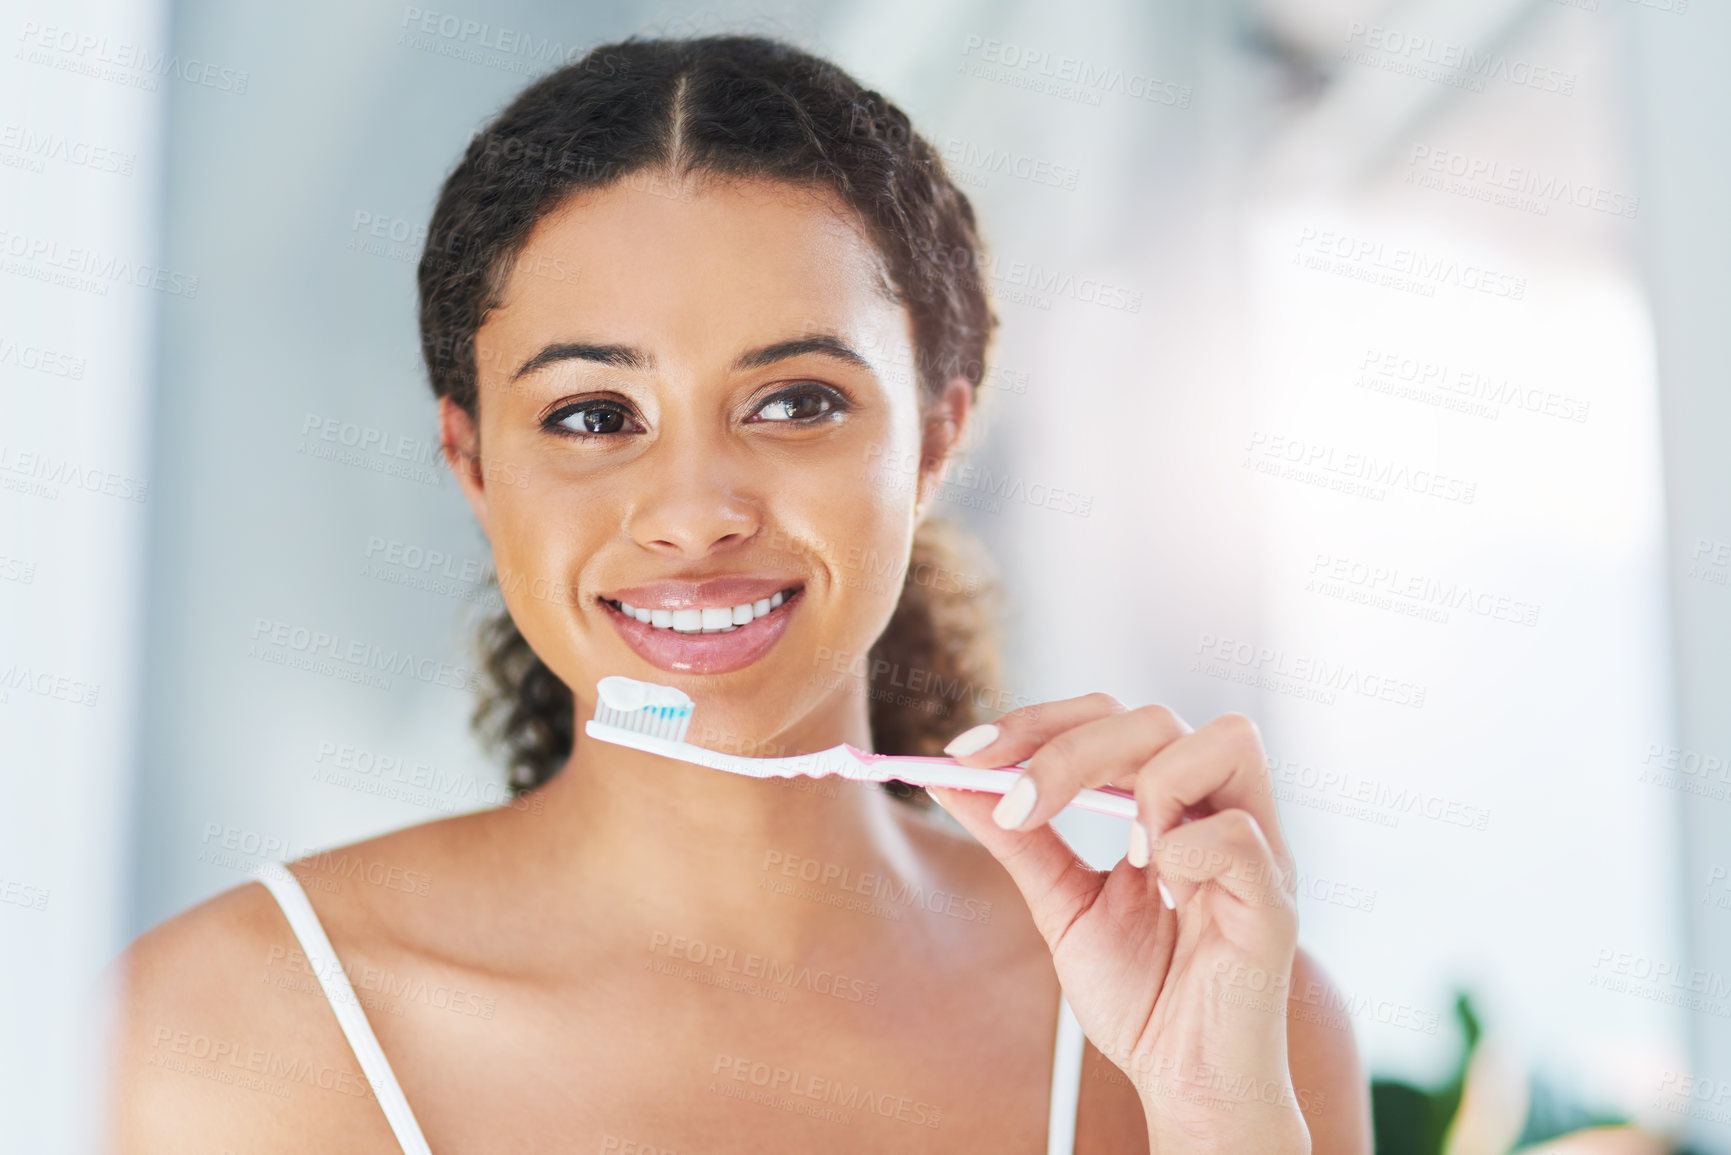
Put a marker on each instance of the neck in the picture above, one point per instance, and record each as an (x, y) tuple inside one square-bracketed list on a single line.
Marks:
[(656, 844)]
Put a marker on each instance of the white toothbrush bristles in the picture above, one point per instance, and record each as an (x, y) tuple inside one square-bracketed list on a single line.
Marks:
[(643, 708), (668, 722)]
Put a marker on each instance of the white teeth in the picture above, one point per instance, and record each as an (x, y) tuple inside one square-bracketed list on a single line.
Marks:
[(707, 619)]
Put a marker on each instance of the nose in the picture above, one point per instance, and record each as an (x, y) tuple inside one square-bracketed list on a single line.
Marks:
[(696, 500)]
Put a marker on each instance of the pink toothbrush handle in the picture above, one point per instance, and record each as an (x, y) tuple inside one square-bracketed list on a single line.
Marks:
[(947, 772)]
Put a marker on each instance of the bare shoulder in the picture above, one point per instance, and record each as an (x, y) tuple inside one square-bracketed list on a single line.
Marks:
[(1109, 1116), (223, 1037), (971, 891), (1327, 1076)]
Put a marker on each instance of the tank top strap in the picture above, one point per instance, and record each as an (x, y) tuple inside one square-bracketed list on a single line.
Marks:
[(304, 921), (1066, 1081)]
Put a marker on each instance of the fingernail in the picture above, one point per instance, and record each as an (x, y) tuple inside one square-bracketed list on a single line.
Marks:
[(938, 802), (1014, 807), (1165, 895), (1138, 852), (971, 741)]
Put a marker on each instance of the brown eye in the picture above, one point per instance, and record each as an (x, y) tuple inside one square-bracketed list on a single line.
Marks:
[(807, 403), (599, 420), (591, 419)]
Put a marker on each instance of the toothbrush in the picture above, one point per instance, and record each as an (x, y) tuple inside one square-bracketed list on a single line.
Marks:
[(654, 719)]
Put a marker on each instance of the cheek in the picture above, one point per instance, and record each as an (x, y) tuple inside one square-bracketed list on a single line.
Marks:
[(857, 515), (540, 536)]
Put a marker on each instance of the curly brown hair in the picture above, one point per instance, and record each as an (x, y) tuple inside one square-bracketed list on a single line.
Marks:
[(743, 107)]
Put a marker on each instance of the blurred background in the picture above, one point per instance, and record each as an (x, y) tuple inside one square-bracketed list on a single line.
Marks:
[(1364, 367)]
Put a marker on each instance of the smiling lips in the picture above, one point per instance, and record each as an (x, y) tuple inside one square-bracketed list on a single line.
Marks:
[(705, 619), (708, 627)]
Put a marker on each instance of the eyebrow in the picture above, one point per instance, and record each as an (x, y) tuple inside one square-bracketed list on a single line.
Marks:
[(618, 356), (627, 357), (825, 344)]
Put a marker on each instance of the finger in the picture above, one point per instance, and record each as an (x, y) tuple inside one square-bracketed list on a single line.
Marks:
[(1228, 852), (1055, 883), (1219, 766), (1109, 749), (1020, 732)]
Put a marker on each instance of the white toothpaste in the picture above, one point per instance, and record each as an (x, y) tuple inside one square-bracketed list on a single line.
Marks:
[(618, 693)]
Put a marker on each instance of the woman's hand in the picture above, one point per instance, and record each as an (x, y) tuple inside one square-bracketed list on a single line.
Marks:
[(1187, 996)]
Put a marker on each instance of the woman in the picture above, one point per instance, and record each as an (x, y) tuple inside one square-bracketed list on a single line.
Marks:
[(704, 325)]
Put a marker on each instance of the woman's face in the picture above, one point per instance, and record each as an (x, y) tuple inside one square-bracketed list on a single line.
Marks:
[(698, 401)]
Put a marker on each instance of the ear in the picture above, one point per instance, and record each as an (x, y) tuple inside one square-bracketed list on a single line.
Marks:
[(460, 440), (945, 422)]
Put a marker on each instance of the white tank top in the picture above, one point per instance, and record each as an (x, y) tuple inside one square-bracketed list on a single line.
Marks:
[(1066, 1063)]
